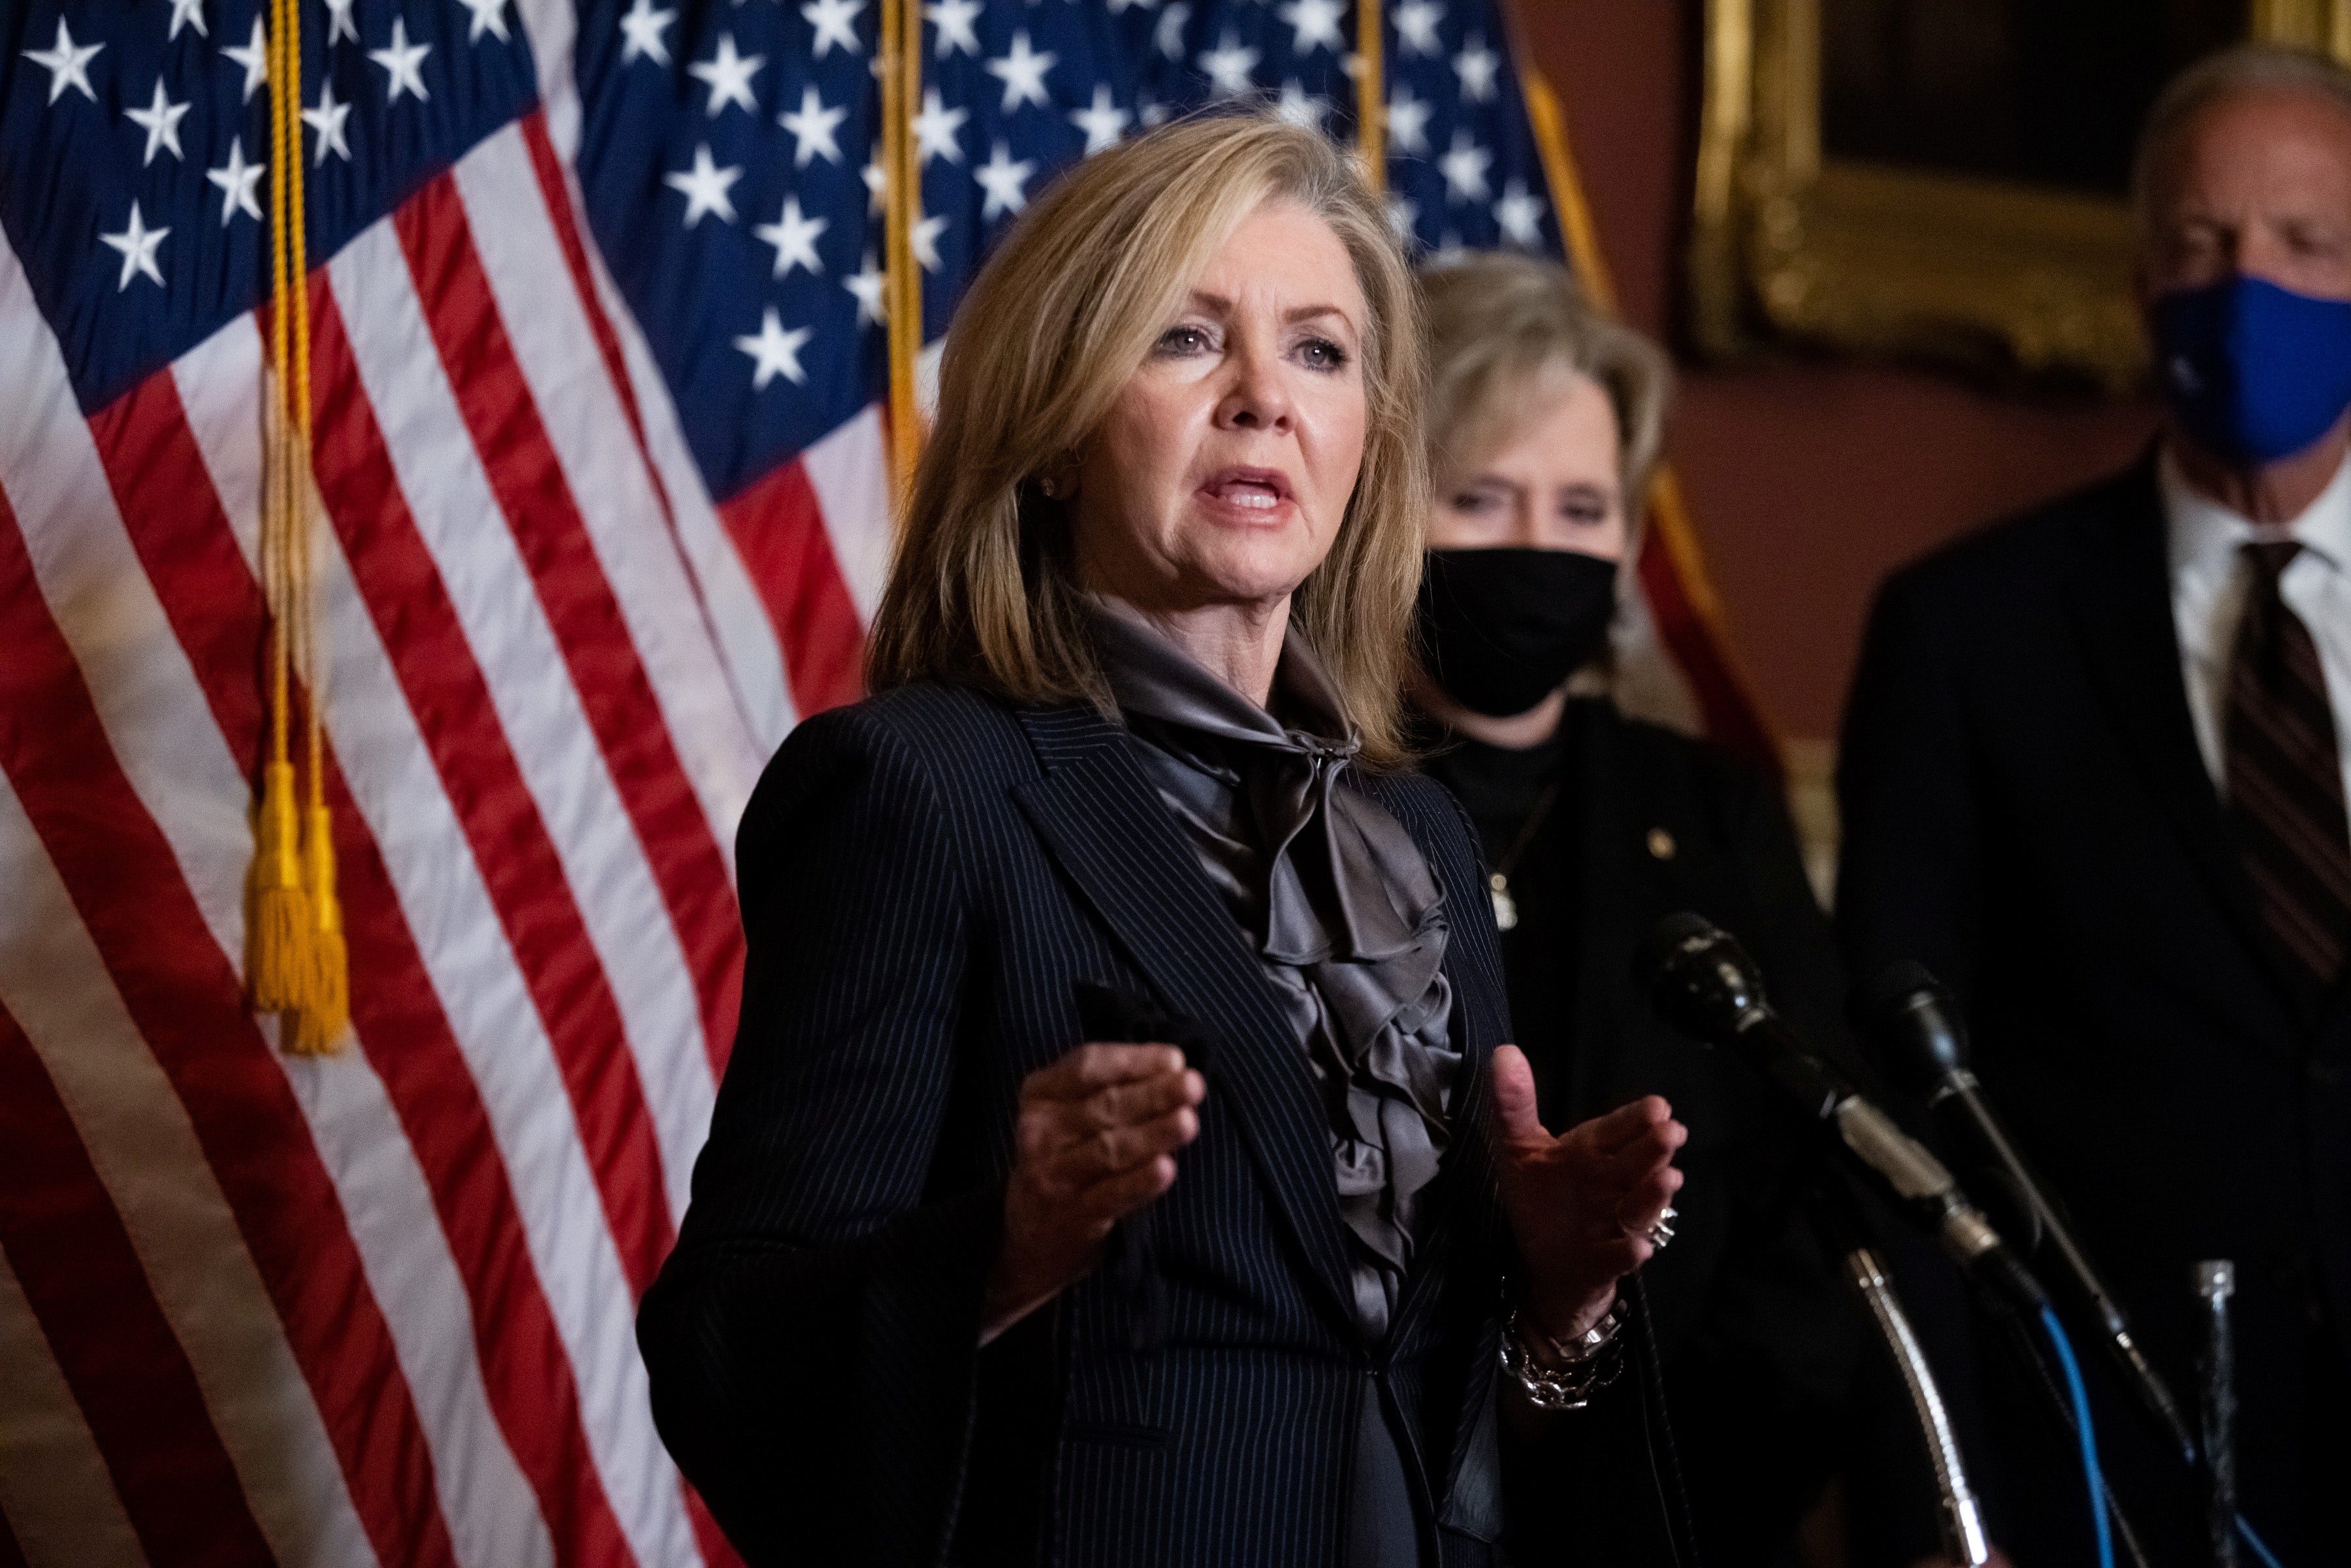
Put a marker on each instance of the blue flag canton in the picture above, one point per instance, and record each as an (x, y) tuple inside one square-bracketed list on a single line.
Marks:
[(135, 137), (731, 163)]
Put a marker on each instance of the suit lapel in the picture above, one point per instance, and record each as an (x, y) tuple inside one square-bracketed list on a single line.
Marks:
[(2121, 604), (1101, 821)]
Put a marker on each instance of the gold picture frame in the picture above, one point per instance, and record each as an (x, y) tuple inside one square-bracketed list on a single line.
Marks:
[(1882, 261)]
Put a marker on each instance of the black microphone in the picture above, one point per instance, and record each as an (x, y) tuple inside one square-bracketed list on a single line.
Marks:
[(1916, 1026), (1701, 982)]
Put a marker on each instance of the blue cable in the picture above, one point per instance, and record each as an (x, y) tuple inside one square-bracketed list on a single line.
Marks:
[(2091, 1474), (2261, 1548)]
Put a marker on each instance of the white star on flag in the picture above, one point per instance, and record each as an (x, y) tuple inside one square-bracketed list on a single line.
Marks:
[(794, 236), (1228, 65), (236, 178), (160, 119), (1519, 214), (68, 63), (936, 128), (877, 182), (342, 22), (1415, 25), (1167, 33), (704, 187), (190, 12), (1022, 72), (925, 239), (1297, 107), (138, 244), (812, 126), (729, 76), (254, 57), (1103, 124), (405, 63), (952, 20), (1408, 119), (1314, 24), (775, 351), (641, 29), (865, 283), (1476, 66), (835, 22), (1464, 167), (1004, 182), (489, 16), (327, 120)]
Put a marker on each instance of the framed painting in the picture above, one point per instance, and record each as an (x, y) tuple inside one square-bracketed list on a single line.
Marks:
[(1943, 180)]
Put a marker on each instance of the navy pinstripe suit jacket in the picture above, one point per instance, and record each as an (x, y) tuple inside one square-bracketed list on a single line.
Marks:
[(926, 878)]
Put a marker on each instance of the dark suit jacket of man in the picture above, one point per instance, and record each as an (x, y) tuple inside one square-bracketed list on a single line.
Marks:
[(2027, 813), (926, 878), (1757, 1335)]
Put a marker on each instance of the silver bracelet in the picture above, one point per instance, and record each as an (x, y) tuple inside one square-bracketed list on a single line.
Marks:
[(1589, 1364)]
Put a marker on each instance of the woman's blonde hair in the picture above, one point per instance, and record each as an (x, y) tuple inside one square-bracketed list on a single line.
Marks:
[(983, 589), (1499, 325)]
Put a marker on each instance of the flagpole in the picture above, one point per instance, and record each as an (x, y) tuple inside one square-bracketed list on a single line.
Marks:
[(1371, 110), (902, 89)]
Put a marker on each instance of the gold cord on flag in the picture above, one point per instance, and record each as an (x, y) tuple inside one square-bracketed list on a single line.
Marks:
[(296, 966), (1370, 94), (902, 284)]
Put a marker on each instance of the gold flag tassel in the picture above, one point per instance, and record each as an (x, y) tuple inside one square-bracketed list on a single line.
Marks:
[(296, 963), (277, 919), (319, 1026)]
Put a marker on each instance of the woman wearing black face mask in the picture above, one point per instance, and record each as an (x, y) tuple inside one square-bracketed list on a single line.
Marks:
[(1544, 421)]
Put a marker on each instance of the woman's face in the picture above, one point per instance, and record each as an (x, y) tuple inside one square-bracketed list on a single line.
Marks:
[(1220, 475), (1553, 483)]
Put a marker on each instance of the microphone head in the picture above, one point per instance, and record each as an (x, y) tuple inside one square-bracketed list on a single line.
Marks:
[(1697, 977), (1914, 1023)]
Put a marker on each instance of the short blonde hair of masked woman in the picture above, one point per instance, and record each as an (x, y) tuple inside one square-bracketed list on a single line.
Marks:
[(984, 591), (1504, 329)]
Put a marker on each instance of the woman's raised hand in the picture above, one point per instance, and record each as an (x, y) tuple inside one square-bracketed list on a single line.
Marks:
[(1581, 1205), (1096, 1140)]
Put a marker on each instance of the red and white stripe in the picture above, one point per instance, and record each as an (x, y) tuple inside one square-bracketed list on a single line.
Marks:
[(378, 1308)]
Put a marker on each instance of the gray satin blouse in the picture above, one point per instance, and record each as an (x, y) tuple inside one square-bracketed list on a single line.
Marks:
[(1339, 903)]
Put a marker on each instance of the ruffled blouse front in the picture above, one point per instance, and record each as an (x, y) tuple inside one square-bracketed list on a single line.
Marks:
[(1345, 915)]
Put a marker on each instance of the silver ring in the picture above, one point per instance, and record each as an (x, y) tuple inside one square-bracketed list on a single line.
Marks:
[(1662, 1231)]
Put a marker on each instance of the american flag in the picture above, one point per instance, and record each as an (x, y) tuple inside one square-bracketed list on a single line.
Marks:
[(601, 466)]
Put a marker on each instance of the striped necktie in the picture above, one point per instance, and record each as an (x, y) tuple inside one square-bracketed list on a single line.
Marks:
[(2285, 774)]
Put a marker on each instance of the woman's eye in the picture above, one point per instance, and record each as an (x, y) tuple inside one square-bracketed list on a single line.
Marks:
[(1476, 502), (1584, 514), (1178, 341), (1321, 354)]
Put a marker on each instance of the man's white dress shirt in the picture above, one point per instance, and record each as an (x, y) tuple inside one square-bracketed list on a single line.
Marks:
[(2209, 581)]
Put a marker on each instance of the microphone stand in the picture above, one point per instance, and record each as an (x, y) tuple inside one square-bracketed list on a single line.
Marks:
[(2216, 1281), (1963, 1521)]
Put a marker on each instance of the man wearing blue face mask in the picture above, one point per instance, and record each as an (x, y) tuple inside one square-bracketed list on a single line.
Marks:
[(2094, 776)]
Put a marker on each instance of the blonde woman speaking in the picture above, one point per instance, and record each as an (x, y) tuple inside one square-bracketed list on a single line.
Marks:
[(1120, 1162)]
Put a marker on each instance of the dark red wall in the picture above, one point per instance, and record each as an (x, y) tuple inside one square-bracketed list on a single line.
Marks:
[(1808, 480)]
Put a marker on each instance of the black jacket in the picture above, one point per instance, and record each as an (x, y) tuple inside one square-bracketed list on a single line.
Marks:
[(1757, 1336), (2027, 813), (926, 878)]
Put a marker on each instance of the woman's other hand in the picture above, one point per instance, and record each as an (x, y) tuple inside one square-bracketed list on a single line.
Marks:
[(1581, 1205), (1097, 1139)]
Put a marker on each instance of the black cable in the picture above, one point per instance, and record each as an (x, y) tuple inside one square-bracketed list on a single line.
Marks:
[(1658, 1429)]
